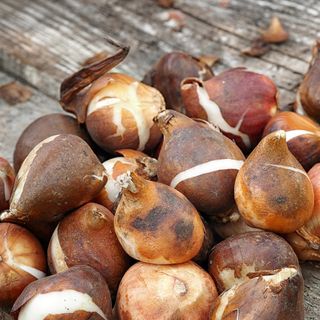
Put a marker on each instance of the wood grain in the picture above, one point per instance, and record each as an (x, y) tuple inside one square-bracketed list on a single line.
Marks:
[(41, 42)]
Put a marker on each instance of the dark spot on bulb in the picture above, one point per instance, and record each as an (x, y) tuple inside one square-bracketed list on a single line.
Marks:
[(152, 221), (183, 230)]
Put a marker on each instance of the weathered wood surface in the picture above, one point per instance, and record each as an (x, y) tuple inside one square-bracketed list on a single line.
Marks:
[(43, 41)]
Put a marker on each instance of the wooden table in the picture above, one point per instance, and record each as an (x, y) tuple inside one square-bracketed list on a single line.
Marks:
[(42, 41)]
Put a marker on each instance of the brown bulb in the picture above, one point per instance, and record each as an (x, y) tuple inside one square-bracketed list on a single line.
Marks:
[(272, 190), (198, 161), (157, 224), (78, 293), (235, 259), (7, 177), (239, 102), (302, 136), (306, 240), (167, 74), (87, 237), (132, 161), (308, 97), (22, 261), (154, 292), (59, 174), (275, 296)]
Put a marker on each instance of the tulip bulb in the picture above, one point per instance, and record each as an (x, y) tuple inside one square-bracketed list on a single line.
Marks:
[(157, 224), (198, 161), (233, 260), (302, 135), (7, 177), (181, 291), (237, 101), (272, 191)]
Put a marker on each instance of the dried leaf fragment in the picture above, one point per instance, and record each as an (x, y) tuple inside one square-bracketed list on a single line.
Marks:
[(209, 60), (165, 3), (14, 93), (257, 49), (275, 32)]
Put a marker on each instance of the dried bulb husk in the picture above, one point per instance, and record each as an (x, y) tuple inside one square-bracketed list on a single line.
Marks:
[(59, 174), (86, 237), (166, 76), (79, 293), (132, 161), (182, 291), (157, 224), (239, 102), (22, 261), (308, 96), (275, 33), (43, 128), (7, 177), (306, 240), (272, 190), (233, 260), (302, 136), (198, 161), (278, 296)]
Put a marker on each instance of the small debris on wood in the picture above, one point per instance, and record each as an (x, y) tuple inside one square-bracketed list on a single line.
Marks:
[(95, 58), (165, 3), (224, 3), (275, 33), (257, 49), (209, 60), (14, 93), (174, 19)]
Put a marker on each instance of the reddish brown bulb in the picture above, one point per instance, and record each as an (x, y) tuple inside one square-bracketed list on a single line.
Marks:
[(167, 74), (7, 177), (237, 101), (237, 258), (87, 237), (157, 224), (272, 190), (198, 161), (308, 97), (302, 136)]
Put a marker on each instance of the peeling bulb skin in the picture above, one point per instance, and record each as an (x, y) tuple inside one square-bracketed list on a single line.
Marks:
[(237, 101), (272, 190), (78, 293), (275, 33), (7, 177), (157, 224), (205, 176), (302, 135), (22, 261), (233, 260), (86, 237), (306, 240), (278, 296), (167, 74), (60, 174), (120, 113), (308, 96), (182, 291)]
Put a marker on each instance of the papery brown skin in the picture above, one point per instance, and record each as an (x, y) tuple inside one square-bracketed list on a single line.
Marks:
[(18, 248), (166, 76), (157, 224), (260, 298), (243, 98), (132, 161), (188, 143), (272, 190), (183, 291), (82, 279), (275, 33), (308, 97), (233, 260), (306, 240), (44, 127), (305, 147), (137, 102), (86, 237), (7, 177), (60, 174)]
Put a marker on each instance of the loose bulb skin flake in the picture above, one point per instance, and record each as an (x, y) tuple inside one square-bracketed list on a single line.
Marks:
[(272, 190)]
